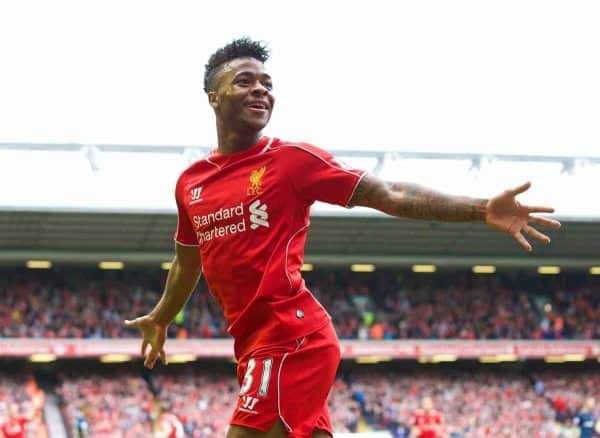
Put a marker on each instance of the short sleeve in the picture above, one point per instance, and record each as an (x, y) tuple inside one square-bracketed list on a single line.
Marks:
[(318, 176), (185, 234)]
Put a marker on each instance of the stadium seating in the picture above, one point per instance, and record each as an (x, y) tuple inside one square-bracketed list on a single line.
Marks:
[(383, 305), (473, 403), (21, 402)]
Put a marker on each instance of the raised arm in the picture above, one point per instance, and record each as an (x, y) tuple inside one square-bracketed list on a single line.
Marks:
[(181, 281), (416, 202), (502, 212)]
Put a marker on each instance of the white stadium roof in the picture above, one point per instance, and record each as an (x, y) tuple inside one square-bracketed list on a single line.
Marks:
[(141, 179)]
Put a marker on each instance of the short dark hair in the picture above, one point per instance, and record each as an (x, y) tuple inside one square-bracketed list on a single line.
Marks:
[(243, 47)]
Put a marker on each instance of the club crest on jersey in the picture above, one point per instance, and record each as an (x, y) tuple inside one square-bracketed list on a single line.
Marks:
[(256, 181)]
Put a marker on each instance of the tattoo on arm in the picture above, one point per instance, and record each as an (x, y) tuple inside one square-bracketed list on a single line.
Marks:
[(416, 202)]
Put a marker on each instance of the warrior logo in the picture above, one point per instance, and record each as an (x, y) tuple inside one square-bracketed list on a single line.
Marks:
[(195, 195)]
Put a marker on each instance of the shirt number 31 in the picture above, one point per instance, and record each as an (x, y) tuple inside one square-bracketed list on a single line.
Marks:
[(265, 377)]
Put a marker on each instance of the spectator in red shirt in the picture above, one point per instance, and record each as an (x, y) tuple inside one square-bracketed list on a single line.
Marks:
[(427, 421), (15, 425)]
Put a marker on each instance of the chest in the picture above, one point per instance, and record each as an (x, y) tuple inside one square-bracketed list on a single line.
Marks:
[(254, 192)]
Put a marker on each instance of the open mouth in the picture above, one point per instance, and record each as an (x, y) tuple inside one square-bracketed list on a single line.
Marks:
[(257, 106)]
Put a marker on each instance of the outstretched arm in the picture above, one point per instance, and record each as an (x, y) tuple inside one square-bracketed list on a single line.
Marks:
[(503, 212), (416, 202)]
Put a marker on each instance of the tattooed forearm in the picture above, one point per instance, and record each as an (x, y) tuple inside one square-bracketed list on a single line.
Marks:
[(416, 202)]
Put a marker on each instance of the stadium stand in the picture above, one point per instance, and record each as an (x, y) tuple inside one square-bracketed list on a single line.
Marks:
[(473, 403), (21, 406), (75, 301), (382, 305)]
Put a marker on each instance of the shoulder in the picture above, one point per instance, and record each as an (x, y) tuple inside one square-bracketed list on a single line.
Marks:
[(298, 154), (300, 148), (194, 170)]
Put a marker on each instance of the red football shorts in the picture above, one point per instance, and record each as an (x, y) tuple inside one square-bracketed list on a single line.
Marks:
[(290, 382)]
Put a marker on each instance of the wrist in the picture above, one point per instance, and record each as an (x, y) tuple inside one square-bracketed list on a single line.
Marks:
[(158, 320), (479, 210)]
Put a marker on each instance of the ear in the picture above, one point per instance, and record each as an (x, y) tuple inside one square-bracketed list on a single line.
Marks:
[(213, 99)]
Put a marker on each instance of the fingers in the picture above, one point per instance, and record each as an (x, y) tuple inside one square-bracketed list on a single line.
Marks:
[(150, 360), (550, 223), (145, 344), (130, 323), (539, 209), (522, 241), (536, 234), (519, 189)]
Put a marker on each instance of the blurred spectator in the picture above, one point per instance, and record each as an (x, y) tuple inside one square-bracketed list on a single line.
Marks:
[(21, 407), (382, 305), (473, 404)]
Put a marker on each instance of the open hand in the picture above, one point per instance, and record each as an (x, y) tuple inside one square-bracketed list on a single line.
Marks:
[(154, 335), (505, 213)]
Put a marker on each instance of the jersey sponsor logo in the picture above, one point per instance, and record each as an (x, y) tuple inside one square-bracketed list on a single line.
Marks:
[(258, 215), (195, 195), (227, 221), (256, 181)]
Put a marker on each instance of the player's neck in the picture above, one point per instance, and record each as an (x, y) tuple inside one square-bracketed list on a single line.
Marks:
[(231, 141)]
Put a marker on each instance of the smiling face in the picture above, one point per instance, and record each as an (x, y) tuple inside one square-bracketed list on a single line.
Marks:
[(241, 95)]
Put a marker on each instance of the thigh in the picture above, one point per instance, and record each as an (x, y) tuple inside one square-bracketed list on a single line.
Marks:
[(286, 390), (277, 431), (306, 378)]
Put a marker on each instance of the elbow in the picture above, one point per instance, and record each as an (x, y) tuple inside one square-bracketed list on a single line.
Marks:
[(187, 266)]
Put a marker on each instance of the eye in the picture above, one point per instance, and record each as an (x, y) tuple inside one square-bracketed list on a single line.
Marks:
[(268, 85), (244, 82)]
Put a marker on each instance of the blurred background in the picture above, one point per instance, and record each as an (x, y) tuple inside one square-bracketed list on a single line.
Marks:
[(447, 330)]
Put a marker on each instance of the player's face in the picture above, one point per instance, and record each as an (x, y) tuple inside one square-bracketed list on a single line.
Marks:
[(243, 97)]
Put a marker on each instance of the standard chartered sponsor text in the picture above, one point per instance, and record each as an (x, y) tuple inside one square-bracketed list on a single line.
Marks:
[(217, 231)]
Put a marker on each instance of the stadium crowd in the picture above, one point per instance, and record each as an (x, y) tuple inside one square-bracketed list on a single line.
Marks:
[(124, 405), (21, 406), (478, 404), (472, 404), (382, 305)]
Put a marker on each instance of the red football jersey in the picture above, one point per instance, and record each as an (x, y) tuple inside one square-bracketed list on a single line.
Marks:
[(249, 214), (428, 422), (170, 426), (14, 427)]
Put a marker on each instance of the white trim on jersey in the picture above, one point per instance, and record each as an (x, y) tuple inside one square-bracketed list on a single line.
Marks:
[(177, 234), (287, 249), (268, 146), (354, 190), (287, 426), (293, 145), (316, 301), (214, 164), (185, 244)]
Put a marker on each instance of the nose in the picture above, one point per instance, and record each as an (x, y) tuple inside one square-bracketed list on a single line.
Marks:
[(259, 89)]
